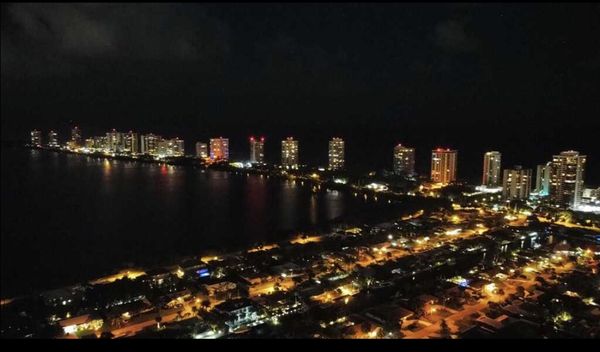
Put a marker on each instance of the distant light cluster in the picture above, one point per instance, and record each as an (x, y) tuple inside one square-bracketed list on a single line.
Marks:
[(561, 180)]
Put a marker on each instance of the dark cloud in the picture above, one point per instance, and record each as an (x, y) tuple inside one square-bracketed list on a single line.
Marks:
[(60, 38), (67, 28)]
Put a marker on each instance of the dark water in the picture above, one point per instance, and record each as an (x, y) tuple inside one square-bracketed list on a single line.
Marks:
[(67, 218)]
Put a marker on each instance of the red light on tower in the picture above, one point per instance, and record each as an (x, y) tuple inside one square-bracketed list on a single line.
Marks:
[(262, 139), (252, 139)]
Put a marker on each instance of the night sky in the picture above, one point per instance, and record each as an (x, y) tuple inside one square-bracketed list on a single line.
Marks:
[(522, 79)]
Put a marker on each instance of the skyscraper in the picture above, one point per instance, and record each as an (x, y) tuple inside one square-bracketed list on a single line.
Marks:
[(164, 149), (257, 154), (36, 138), (219, 149), (132, 143), (52, 139), (201, 150), (491, 169), (516, 183), (336, 154), (542, 179), (170, 147), (289, 153), (443, 165), (76, 136), (149, 144), (404, 160), (566, 180), (116, 141), (101, 142), (179, 147)]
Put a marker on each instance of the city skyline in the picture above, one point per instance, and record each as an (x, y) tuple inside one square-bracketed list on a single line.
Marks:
[(300, 171), (403, 162), (449, 77), (477, 226), (377, 157)]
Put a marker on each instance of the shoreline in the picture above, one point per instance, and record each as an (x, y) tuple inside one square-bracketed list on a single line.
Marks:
[(287, 237), (270, 171), (292, 239)]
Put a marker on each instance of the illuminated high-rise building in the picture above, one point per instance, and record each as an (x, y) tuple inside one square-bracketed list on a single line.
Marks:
[(443, 165), (115, 141), (336, 154), (201, 150), (101, 142), (491, 169), (90, 143), (404, 160), (179, 147), (289, 153), (566, 178), (516, 183), (163, 148), (170, 147), (219, 149), (542, 179), (36, 138), (76, 136), (132, 144), (149, 144), (53, 139), (257, 150)]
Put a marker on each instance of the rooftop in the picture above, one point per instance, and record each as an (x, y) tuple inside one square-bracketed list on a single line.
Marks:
[(234, 305)]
